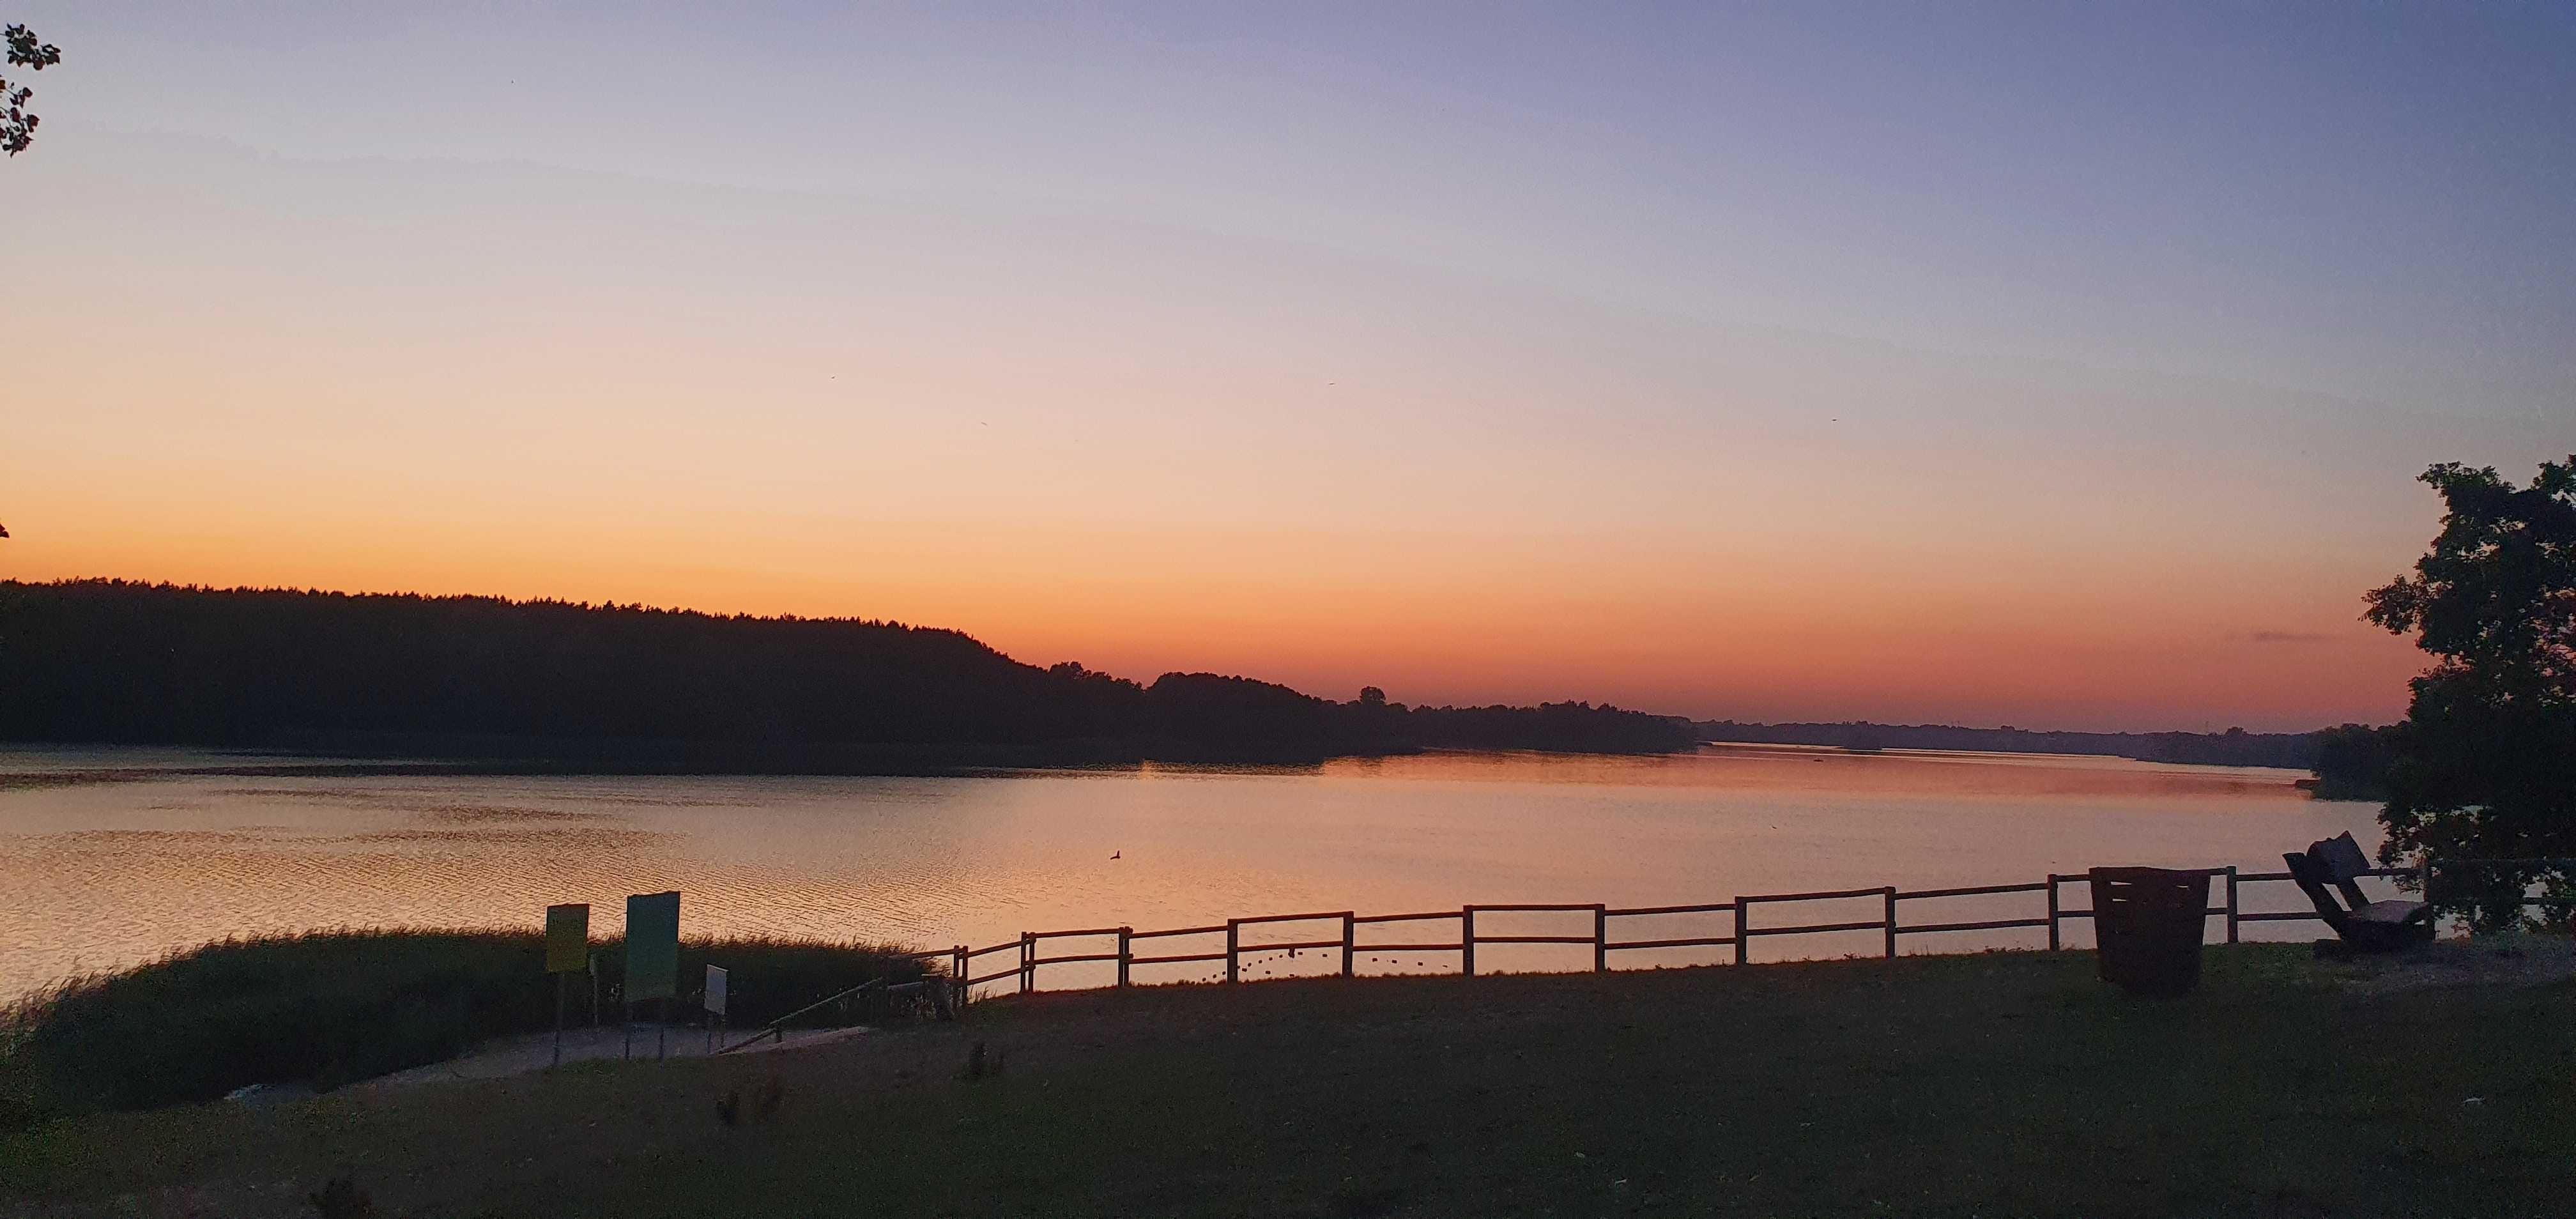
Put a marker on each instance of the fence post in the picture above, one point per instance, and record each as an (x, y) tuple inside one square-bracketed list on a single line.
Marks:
[(960, 966), (2231, 903), (1350, 939), (1600, 939), (2052, 912), (1124, 934), (1891, 921), (1028, 961), (1467, 941), (1232, 930), (1741, 956)]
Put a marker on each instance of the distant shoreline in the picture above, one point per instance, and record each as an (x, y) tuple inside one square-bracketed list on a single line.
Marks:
[(605, 688), (2234, 747), (275, 763), (1909, 751), (551, 687)]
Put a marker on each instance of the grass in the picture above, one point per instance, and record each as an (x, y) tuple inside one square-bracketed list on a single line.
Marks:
[(2002, 1085), (328, 1008)]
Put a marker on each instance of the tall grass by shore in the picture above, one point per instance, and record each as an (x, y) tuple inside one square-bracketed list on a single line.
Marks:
[(330, 1008)]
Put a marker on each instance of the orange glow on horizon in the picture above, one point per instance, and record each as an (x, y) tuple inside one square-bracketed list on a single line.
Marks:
[(1676, 622)]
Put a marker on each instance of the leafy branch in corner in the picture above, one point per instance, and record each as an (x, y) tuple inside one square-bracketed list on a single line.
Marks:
[(17, 127)]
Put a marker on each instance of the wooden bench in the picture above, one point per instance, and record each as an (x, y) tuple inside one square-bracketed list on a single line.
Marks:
[(2331, 869)]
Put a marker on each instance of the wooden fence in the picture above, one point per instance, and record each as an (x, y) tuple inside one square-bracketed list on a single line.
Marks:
[(1028, 950)]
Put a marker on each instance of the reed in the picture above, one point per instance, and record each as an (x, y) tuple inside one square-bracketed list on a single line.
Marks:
[(329, 1008)]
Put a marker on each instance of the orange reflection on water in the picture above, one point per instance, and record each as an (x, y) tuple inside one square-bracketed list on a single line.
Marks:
[(100, 874)]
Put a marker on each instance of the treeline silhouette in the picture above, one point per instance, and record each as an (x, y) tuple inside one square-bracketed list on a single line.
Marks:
[(2234, 747), (632, 688), (2354, 760)]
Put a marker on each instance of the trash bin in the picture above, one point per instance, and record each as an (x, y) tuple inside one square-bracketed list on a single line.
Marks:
[(2147, 925)]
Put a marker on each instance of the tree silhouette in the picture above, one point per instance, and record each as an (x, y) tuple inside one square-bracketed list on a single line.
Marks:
[(17, 126), (2485, 761), (627, 688)]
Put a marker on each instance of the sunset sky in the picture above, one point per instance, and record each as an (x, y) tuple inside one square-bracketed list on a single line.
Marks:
[(2063, 366)]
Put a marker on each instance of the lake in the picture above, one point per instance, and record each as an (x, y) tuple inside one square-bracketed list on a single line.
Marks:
[(109, 857)]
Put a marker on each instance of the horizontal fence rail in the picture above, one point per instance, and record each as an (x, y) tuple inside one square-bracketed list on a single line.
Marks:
[(1739, 936)]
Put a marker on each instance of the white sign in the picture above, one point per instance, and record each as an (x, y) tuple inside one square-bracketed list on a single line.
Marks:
[(716, 989)]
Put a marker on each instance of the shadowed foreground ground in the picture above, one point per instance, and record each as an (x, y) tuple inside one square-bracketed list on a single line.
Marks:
[(2007, 1084)]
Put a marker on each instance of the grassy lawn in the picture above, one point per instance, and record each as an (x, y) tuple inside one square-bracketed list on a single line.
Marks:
[(2005, 1084)]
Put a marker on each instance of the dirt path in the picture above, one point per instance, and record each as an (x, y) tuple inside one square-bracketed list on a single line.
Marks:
[(536, 1051)]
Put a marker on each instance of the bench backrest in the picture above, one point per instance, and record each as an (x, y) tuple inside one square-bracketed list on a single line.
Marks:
[(2344, 865), (2313, 879)]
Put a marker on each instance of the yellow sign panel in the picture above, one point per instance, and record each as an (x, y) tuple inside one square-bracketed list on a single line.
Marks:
[(567, 939)]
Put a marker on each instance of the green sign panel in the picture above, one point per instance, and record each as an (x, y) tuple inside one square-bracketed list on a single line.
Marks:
[(652, 946)]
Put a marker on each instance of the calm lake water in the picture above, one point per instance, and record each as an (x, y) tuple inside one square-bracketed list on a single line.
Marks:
[(109, 857)]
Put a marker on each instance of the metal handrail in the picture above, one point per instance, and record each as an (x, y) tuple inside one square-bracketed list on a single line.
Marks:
[(778, 1027)]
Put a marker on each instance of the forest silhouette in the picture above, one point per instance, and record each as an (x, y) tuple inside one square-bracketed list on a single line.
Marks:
[(551, 683), (2344, 749)]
